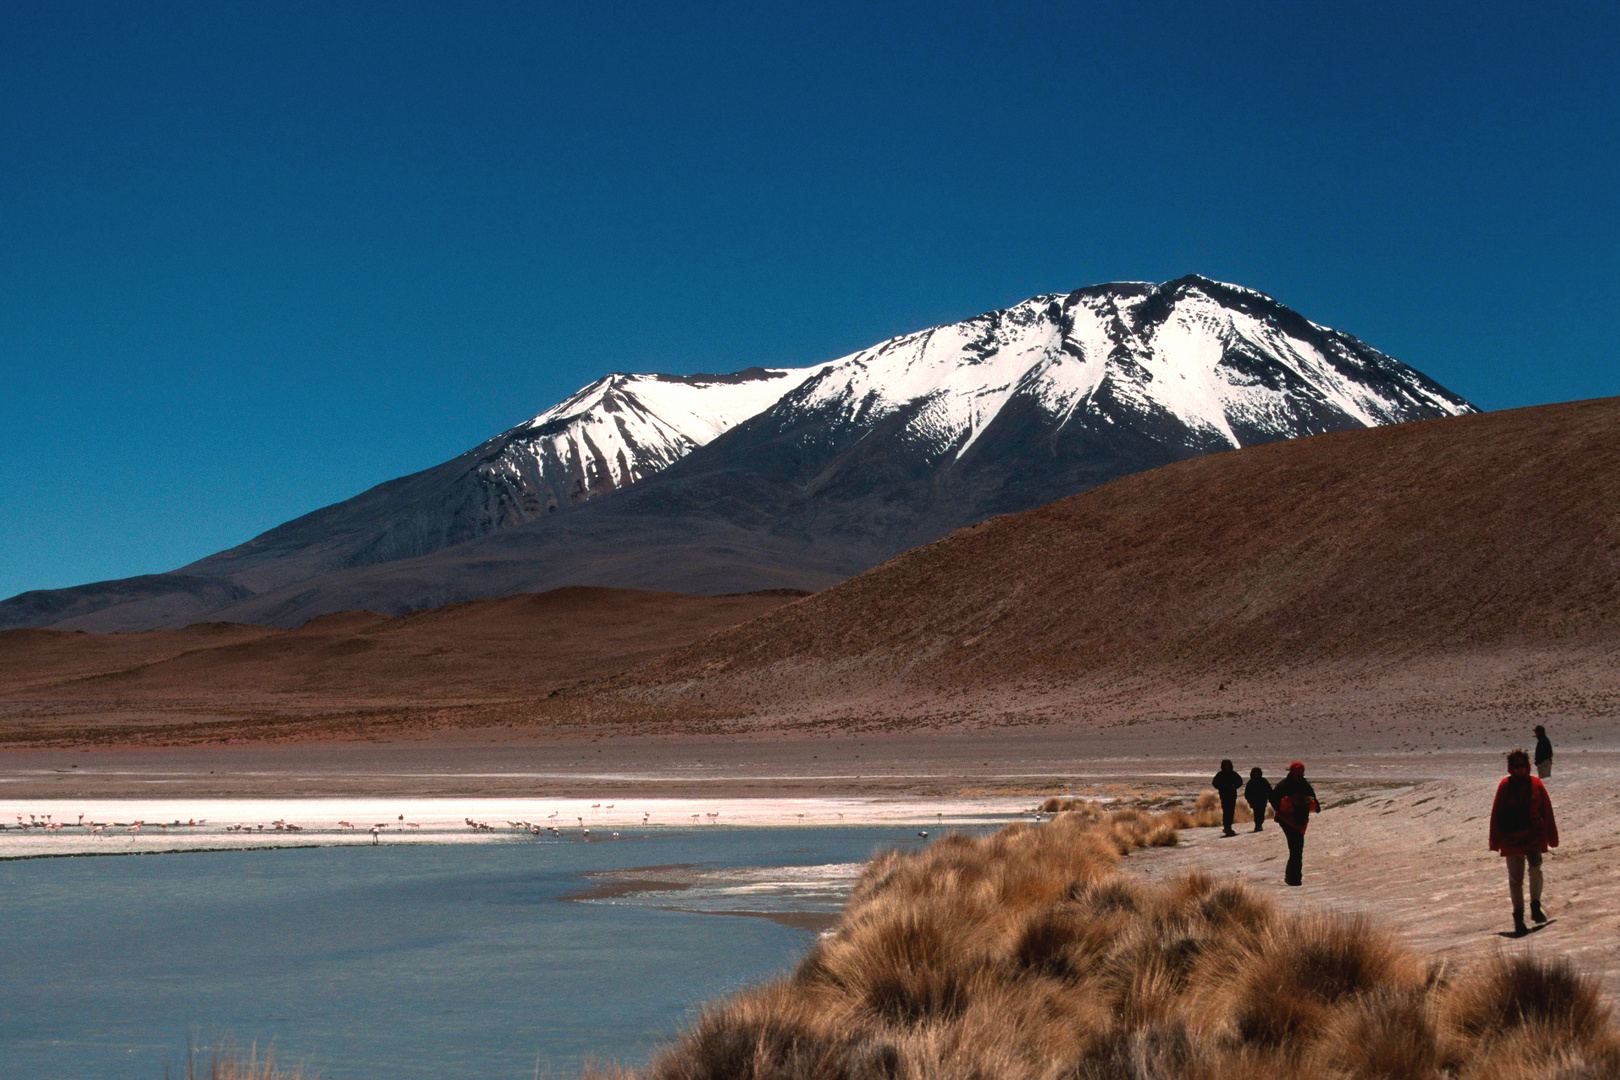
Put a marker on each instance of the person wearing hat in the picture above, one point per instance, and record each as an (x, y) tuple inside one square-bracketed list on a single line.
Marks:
[(1294, 800), (1522, 829), (1543, 753)]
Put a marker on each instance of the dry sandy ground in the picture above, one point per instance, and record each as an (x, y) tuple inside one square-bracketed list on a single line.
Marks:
[(1414, 855), (352, 674)]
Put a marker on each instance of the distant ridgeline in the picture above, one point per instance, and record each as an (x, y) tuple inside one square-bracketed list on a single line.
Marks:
[(777, 478)]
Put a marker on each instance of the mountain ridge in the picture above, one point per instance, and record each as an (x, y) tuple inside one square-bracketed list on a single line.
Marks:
[(772, 478)]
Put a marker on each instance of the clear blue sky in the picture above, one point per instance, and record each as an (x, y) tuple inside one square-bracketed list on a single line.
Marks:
[(255, 258)]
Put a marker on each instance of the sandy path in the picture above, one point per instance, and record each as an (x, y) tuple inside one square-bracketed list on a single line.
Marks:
[(1415, 856)]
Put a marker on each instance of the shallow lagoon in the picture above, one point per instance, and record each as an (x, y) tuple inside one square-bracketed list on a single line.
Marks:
[(412, 961)]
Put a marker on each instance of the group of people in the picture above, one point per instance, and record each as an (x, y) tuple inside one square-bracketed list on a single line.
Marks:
[(1292, 802), (1522, 826)]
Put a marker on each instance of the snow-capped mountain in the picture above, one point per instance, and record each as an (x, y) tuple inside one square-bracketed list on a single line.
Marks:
[(624, 428), (1196, 362), (774, 477), (1214, 365)]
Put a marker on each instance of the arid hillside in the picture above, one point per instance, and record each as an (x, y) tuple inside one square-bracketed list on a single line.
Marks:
[(1460, 559), (351, 672)]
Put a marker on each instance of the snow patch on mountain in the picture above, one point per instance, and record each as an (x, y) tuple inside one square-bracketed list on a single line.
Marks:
[(623, 428)]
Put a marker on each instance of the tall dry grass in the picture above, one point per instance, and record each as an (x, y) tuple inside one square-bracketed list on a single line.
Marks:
[(224, 1061), (1206, 810), (1027, 956)]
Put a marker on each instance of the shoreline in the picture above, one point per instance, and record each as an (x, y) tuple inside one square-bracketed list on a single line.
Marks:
[(183, 825)]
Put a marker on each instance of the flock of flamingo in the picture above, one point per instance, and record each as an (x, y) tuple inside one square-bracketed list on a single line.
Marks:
[(95, 828), (46, 823)]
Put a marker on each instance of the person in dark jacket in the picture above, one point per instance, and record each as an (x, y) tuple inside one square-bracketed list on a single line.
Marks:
[(1543, 753), (1257, 794), (1227, 783), (1522, 829), (1294, 800)]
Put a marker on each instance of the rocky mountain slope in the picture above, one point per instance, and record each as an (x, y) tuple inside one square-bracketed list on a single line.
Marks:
[(799, 478)]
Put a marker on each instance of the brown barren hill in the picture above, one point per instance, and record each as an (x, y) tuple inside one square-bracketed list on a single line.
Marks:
[(350, 673), (1458, 565)]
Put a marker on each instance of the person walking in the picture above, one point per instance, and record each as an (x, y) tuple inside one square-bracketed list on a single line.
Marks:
[(1257, 794), (1543, 753), (1294, 800), (1227, 782), (1522, 829)]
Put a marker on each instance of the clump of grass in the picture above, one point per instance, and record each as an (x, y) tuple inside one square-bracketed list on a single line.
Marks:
[(1027, 956), (225, 1062)]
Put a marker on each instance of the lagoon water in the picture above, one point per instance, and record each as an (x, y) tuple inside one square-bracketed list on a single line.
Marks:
[(408, 961)]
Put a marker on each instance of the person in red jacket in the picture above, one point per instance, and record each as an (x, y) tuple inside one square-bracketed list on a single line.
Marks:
[(1522, 829), (1294, 800)]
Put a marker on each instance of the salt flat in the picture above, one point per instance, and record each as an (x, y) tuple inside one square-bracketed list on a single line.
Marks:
[(35, 828)]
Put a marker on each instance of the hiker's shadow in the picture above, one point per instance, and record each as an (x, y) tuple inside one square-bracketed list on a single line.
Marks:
[(1514, 934)]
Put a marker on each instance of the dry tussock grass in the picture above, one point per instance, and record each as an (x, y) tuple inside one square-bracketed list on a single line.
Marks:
[(225, 1062), (1026, 956), (1206, 811)]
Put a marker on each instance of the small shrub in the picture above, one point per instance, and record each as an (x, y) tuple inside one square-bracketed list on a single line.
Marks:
[(1520, 991), (225, 1062), (1384, 1036), (1286, 983), (1163, 1051)]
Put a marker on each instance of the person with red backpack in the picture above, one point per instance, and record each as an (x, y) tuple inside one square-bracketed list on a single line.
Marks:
[(1294, 801), (1522, 829)]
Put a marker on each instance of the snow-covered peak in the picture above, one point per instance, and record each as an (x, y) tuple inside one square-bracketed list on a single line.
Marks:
[(1228, 365), (623, 428), (1194, 363)]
